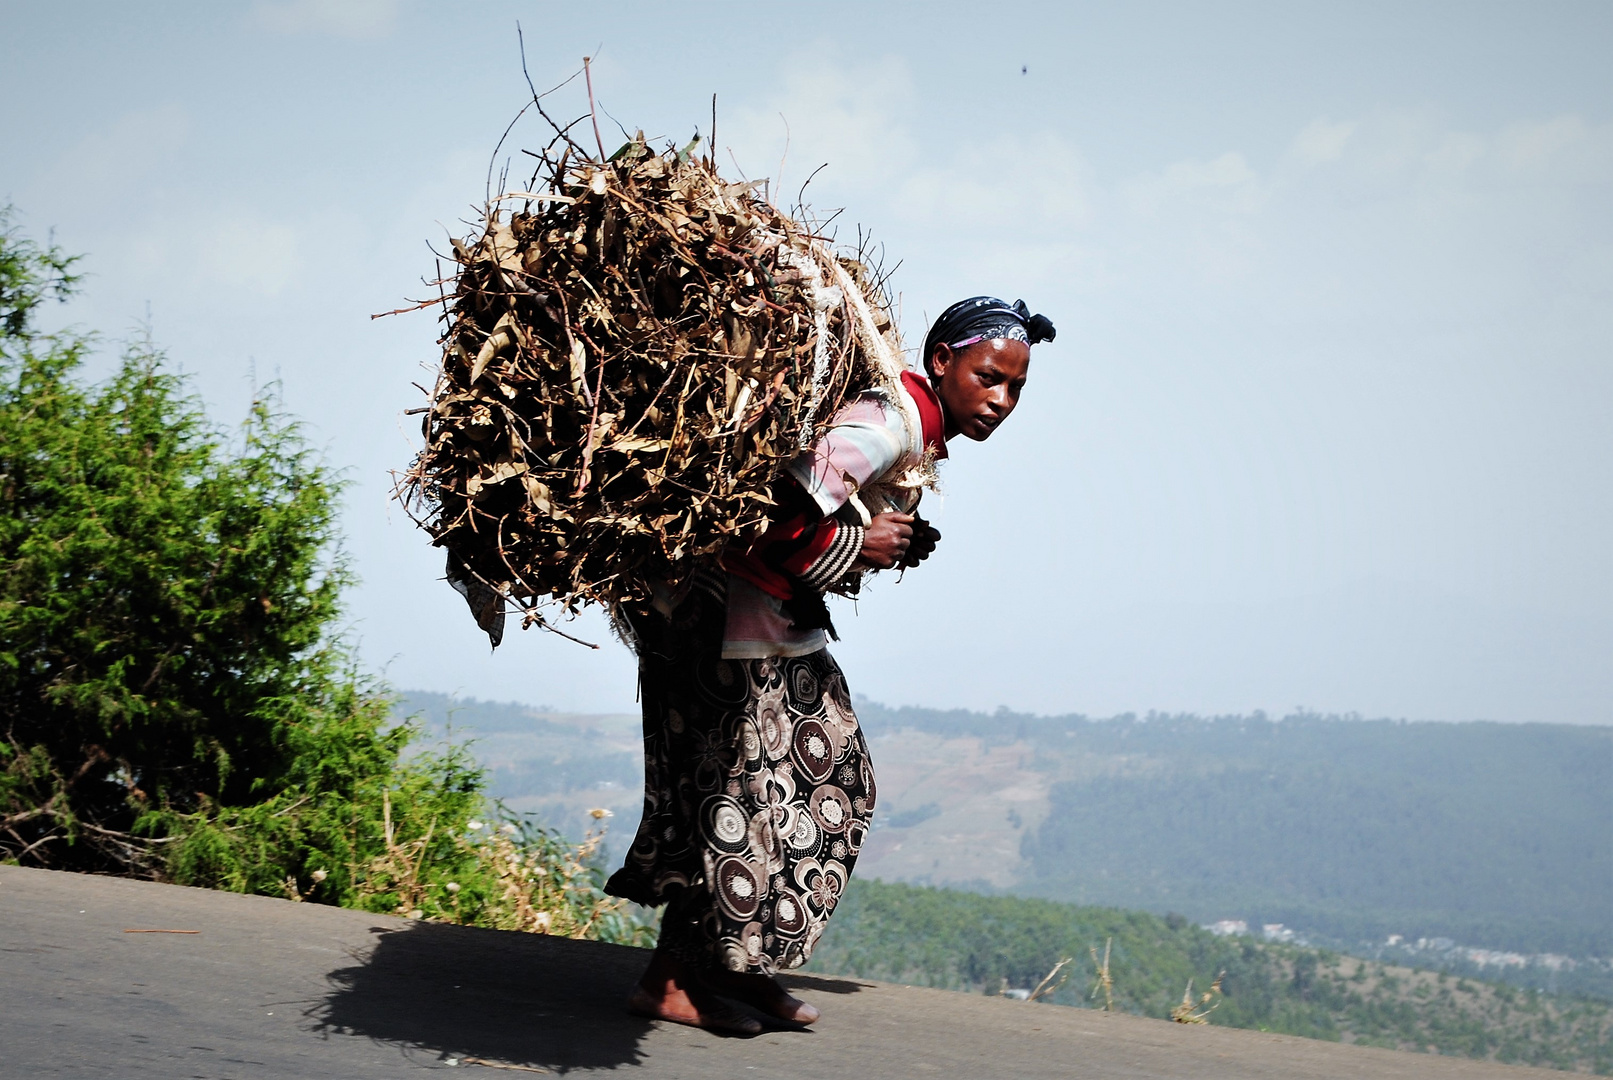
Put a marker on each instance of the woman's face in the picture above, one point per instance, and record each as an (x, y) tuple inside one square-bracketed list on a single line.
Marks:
[(979, 385)]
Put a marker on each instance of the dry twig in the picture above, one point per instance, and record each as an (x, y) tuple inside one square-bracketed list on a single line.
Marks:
[(1047, 986), (557, 467), (1104, 982), (1193, 1012)]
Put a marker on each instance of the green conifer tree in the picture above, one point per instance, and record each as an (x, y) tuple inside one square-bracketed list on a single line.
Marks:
[(175, 699), (166, 597)]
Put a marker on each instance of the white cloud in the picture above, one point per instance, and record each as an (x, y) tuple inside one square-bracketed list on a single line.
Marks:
[(249, 252), (1322, 141), (850, 117), (998, 189), (1013, 213), (1396, 216), (1009, 211), (1564, 148), (859, 119), (110, 160), (235, 249), (1223, 185), (339, 18), (1455, 153), (1200, 217), (1397, 150)]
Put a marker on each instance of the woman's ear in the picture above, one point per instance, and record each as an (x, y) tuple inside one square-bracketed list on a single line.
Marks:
[(940, 360)]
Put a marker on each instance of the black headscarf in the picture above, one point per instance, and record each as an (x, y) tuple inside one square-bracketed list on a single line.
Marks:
[(980, 318)]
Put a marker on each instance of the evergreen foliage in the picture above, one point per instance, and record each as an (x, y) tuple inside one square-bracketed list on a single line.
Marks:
[(1348, 828), (165, 598), (966, 941), (175, 702)]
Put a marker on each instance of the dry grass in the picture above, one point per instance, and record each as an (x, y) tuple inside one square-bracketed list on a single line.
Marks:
[(1194, 1012), (1104, 981), (503, 880)]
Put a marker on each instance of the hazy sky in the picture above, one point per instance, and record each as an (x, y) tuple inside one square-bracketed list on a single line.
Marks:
[(1329, 420)]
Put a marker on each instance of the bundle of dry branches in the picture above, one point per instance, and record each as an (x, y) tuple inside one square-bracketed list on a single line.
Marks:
[(634, 348)]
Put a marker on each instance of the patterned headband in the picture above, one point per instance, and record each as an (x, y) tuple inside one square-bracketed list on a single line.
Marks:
[(983, 318), (1012, 331)]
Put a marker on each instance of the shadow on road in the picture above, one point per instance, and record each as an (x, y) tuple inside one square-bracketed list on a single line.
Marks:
[(840, 985), (524, 999)]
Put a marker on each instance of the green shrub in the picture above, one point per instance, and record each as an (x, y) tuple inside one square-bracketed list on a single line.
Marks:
[(175, 701), (166, 597)]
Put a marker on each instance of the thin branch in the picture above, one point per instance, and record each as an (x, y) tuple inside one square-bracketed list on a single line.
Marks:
[(779, 179), (537, 98), (800, 196), (491, 161), (545, 624), (405, 310), (589, 79)]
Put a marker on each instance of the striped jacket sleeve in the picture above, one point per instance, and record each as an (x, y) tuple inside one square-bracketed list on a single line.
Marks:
[(806, 545)]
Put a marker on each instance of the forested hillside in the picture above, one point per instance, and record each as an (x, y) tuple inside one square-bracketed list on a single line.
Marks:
[(1489, 834), (558, 766), (966, 941), (1492, 834)]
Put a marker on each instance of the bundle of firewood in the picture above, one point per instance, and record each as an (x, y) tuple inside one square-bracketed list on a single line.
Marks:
[(634, 348)]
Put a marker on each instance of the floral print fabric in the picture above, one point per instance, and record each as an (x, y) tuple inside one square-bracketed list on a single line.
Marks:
[(758, 794)]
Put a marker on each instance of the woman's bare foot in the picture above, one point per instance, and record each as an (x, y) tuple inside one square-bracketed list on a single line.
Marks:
[(670, 990), (762, 993)]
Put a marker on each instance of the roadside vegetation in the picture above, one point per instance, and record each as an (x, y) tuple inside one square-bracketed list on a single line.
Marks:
[(993, 944), (176, 700)]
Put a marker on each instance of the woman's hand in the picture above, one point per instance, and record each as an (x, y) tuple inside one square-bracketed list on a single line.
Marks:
[(886, 540), (925, 537)]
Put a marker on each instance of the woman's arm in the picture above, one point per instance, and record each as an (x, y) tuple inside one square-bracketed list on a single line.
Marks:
[(808, 541), (800, 546)]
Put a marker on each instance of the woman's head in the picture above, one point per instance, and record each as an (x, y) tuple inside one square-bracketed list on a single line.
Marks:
[(978, 355)]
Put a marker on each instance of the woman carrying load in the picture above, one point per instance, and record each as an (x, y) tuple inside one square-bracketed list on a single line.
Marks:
[(758, 787)]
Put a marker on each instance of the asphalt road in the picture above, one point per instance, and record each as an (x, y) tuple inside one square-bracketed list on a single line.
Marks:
[(267, 988)]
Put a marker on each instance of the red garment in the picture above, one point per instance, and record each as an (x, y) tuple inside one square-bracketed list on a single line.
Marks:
[(807, 549), (787, 550), (930, 412)]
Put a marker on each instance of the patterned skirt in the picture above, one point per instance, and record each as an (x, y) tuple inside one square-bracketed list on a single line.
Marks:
[(758, 793)]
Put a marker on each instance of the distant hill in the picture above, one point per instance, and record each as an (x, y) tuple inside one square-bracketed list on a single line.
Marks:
[(965, 941), (1492, 834), (556, 765)]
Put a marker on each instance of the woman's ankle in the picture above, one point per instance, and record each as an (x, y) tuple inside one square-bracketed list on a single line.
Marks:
[(666, 972)]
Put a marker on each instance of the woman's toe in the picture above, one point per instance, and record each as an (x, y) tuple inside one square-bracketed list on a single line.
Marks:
[(800, 1011)]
